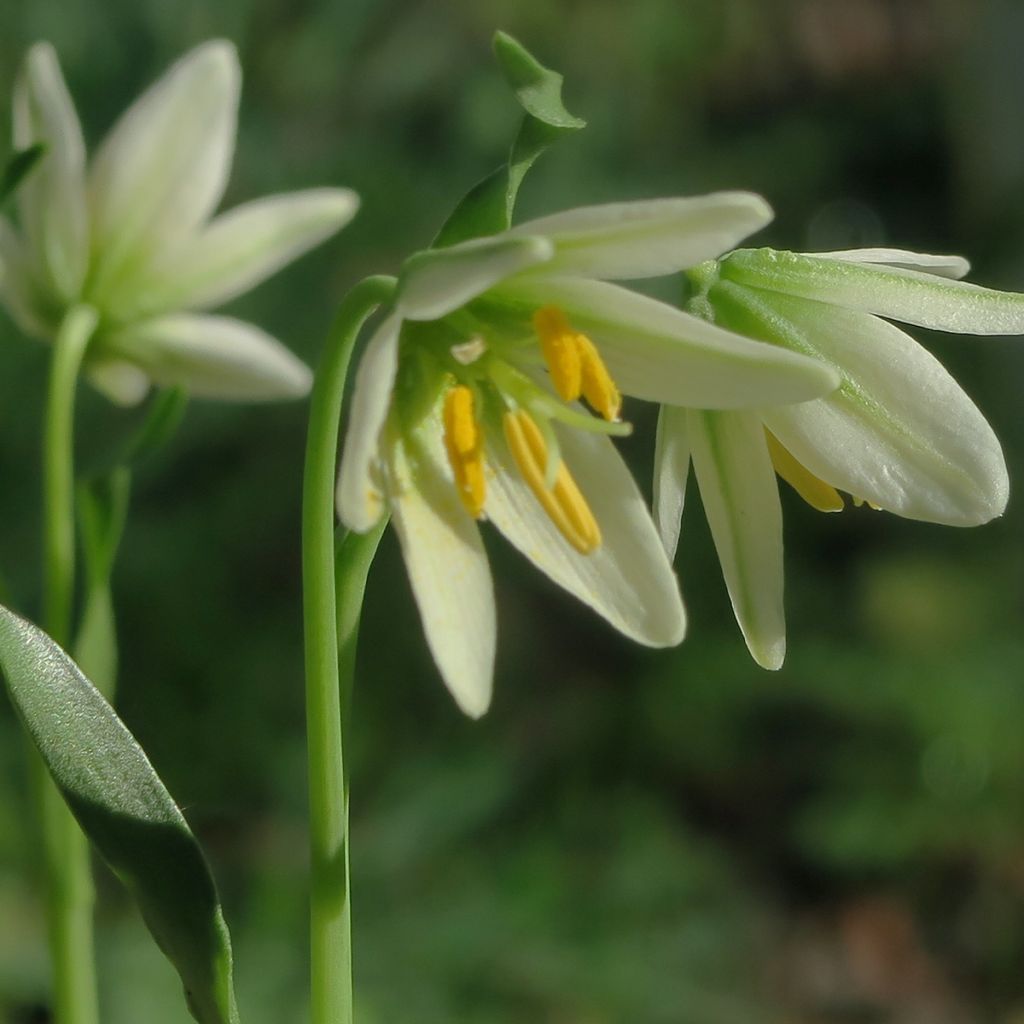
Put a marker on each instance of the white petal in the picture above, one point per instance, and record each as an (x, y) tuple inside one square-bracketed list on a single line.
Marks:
[(741, 501), (162, 169), (123, 383), (52, 198), (671, 469), (661, 354), (237, 251), (898, 293), (359, 498), (900, 432), (211, 356), (628, 580), (646, 239), (954, 267), (448, 570), (437, 281), (19, 291)]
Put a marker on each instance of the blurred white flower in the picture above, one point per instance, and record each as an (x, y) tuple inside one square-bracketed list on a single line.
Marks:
[(133, 238), (455, 420), (899, 433)]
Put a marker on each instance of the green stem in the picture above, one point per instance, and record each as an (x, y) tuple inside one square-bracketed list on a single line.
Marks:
[(330, 921), (69, 877)]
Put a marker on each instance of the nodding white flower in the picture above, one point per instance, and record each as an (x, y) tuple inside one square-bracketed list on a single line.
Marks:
[(132, 235), (467, 407), (899, 433)]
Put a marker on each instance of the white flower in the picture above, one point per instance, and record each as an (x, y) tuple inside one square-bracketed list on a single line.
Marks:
[(132, 235), (899, 433), (454, 418)]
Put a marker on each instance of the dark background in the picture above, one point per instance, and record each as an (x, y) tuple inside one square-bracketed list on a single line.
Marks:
[(652, 837)]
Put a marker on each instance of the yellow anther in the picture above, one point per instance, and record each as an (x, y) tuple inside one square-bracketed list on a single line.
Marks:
[(561, 352), (463, 440), (564, 504), (812, 489), (598, 387)]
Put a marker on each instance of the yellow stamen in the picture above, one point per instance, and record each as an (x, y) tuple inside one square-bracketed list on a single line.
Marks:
[(561, 352), (598, 387), (463, 440), (812, 489), (564, 504), (858, 502)]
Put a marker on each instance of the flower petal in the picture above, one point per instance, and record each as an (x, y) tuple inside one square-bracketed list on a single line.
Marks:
[(741, 501), (121, 382), (900, 432), (954, 267), (624, 241), (628, 579), (448, 570), (211, 356), (661, 354), (52, 199), (238, 250), (163, 167), (671, 470), (437, 281), (359, 498), (894, 292), (19, 291)]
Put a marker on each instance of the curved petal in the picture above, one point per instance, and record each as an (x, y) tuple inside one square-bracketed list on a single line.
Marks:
[(52, 199), (19, 291), (954, 267), (895, 292), (628, 579), (741, 501), (661, 354), (448, 570), (359, 499), (210, 356), (900, 432), (437, 281), (671, 470), (623, 241), (238, 250), (162, 169), (123, 383)]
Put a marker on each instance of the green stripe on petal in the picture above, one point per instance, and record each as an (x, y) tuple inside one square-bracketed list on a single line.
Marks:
[(741, 502), (52, 199), (161, 171), (914, 297), (628, 579), (435, 282), (661, 354), (447, 567), (360, 498), (622, 241), (671, 470), (211, 357)]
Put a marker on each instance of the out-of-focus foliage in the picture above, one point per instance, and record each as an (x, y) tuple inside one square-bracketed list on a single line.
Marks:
[(629, 835)]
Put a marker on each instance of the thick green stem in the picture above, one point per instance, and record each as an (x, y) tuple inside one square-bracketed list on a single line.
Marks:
[(69, 878), (330, 920)]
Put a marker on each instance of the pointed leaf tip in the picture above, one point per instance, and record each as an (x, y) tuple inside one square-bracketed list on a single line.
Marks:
[(538, 89)]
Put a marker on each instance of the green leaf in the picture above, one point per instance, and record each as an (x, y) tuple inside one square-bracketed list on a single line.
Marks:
[(124, 809), (162, 420), (488, 207), (18, 168)]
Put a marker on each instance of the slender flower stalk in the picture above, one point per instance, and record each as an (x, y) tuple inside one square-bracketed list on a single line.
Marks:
[(330, 910), (468, 406), (898, 434)]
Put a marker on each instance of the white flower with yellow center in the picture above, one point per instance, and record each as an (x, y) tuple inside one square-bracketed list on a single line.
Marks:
[(465, 408), (132, 238), (899, 433)]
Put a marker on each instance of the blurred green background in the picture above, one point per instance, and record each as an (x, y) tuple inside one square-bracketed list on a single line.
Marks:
[(652, 837)]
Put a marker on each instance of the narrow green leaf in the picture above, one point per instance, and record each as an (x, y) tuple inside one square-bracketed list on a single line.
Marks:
[(18, 168), (163, 418), (125, 811), (488, 207)]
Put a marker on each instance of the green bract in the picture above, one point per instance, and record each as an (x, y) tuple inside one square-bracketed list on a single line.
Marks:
[(454, 418), (133, 238), (899, 433)]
